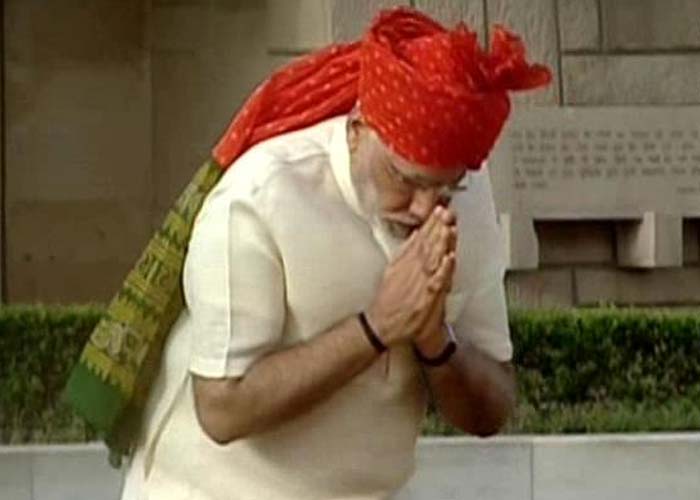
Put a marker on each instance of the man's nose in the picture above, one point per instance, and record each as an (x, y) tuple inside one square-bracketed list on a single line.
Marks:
[(423, 202)]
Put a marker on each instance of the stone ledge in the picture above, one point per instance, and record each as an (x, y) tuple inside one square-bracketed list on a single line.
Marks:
[(576, 467), (680, 286), (542, 288)]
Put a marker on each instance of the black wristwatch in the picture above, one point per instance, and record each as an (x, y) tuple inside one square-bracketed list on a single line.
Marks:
[(446, 353)]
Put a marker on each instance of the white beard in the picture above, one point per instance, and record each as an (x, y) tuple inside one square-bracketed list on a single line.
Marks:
[(390, 235)]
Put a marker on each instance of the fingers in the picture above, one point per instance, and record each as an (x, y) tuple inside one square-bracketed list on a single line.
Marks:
[(452, 239), (442, 278), (448, 217), (440, 238), (407, 246), (437, 249)]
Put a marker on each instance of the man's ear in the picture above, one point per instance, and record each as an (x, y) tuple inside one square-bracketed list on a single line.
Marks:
[(355, 125)]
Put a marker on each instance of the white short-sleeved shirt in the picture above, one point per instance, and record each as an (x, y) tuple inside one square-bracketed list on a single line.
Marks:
[(281, 251)]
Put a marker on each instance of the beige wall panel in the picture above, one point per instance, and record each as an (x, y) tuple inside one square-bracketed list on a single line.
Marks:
[(350, 18), (177, 26), (657, 287), (65, 283), (77, 94), (197, 91), (69, 235), (651, 24), (78, 144), (631, 79), (579, 27), (298, 25), (450, 12), (545, 288)]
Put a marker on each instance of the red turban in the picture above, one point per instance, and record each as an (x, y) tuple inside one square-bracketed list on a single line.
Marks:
[(433, 95)]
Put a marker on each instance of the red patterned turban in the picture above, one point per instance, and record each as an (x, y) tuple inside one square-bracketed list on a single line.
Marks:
[(433, 95)]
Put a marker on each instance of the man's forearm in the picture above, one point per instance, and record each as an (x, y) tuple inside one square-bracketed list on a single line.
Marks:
[(283, 384), (473, 391)]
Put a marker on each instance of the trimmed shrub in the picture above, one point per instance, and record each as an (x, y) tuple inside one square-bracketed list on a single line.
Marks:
[(599, 370), (38, 347)]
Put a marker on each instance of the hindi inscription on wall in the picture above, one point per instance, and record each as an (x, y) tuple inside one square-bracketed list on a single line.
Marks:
[(636, 164)]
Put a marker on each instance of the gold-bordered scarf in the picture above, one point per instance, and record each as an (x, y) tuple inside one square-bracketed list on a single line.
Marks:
[(109, 385)]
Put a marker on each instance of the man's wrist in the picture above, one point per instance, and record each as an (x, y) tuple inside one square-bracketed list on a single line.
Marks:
[(433, 343), (371, 334), (440, 348)]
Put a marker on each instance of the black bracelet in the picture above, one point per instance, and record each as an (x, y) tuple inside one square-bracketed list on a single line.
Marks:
[(371, 334), (444, 356)]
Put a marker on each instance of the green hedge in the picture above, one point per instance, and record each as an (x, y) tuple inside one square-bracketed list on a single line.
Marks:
[(38, 347), (603, 370)]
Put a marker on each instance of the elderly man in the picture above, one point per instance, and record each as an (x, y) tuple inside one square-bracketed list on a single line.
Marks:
[(347, 264)]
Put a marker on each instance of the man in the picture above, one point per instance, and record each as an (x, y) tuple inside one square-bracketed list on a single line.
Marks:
[(345, 265)]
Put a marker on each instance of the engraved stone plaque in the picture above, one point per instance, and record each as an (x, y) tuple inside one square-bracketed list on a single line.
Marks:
[(639, 166)]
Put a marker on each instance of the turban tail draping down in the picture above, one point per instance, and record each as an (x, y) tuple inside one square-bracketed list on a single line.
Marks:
[(433, 96)]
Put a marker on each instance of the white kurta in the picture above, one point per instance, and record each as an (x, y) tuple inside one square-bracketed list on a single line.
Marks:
[(281, 251)]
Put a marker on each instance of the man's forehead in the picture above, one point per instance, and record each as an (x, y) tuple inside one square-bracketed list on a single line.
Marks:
[(426, 174), (416, 171)]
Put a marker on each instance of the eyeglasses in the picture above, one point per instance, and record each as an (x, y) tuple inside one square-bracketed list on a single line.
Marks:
[(409, 185)]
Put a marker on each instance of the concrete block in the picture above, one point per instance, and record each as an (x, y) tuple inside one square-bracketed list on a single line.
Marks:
[(651, 24), (691, 241), (455, 469), (638, 287), (654, 241), (178, 26), (15, 475), (76, 231), (80, 135), (77, 101), (545, 288), (179, 2), (72, 251), (631, 79), (576, 242), (616, 468), (579, 28), (74, 32), (450, 12), (181, 138), (535, 21), (349, 20), (74, 473), (520, 241), (298, 25), (65, 282), (196, 93)]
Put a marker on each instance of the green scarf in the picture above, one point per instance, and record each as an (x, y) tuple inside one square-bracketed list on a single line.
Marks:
[(109, 385)]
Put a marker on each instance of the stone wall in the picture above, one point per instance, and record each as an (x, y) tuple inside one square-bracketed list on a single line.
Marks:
[(604, 53), (77, 146), (110, 106)]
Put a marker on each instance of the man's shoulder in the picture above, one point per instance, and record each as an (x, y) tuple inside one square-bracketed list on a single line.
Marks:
[(298, 157)]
